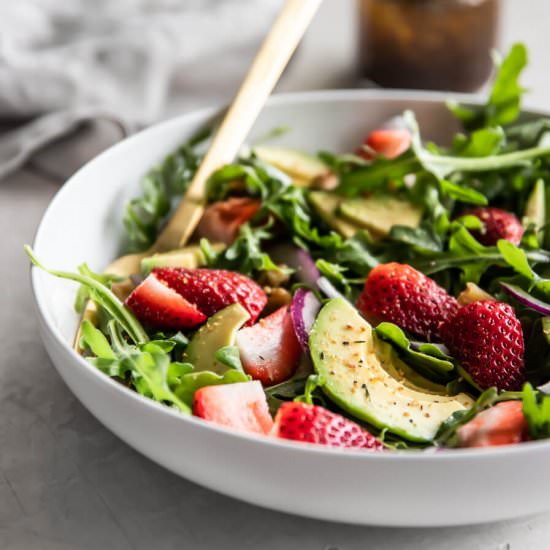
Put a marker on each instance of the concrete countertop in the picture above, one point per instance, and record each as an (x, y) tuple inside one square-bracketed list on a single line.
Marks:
[(66, 482)]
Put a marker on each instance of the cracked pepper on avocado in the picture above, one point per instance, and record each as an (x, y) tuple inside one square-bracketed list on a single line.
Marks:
[(391, 298)]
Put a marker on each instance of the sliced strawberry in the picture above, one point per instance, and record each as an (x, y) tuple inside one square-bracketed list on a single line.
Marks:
[(387, 142), (503, 424), (214, 289), (221, 220), (270, 351), (241, 406), (313, 424), (400, 294), (159, 307)]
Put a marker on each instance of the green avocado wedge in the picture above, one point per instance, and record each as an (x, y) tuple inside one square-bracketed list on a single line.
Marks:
[(218, 332), (363, 377), (535, 208), (380, 213), (301, 167), (190, 257), (327, 205)]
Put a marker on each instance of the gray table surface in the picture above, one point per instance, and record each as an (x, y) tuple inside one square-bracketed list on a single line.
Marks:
[(67, 482)]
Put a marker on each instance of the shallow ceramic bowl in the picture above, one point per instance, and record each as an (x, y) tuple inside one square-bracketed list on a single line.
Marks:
[(83, 223)]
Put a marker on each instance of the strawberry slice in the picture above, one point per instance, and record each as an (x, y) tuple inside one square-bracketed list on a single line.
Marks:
[(503, 424), (214, 289), (221, 220), (270, 351), (386, 142), (241, 406), (313, 424), (159, 307)]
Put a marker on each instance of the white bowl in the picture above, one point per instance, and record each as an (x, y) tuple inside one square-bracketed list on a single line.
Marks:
[(83, 223)]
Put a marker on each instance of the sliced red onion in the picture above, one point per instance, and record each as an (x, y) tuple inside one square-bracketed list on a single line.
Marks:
[(526, 299), (303, 310), (137, 279), (298, 259), (327, 288)]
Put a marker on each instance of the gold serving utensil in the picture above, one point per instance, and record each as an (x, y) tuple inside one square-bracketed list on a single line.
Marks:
[(269, 63)]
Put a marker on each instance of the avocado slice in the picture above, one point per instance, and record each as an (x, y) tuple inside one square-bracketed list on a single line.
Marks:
[(535, 208), (327, 205), (301, 167), (218, 332), (365, 379), (379, 213), (190, 257)]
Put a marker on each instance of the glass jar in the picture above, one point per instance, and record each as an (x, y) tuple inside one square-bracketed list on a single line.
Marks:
[(428, 44)]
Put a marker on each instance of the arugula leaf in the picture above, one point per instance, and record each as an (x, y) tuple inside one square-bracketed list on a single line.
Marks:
[(83, 295), (148, 364), (244, 255), (461, 193), (442, 166), (480, 143), (528, 134), (517, 259), (95, 341), (471, 257), (163, 184), (335, 273), (378, 174), (230, 357), (285, 391), (103, 296), (536, 409), (313, 382), (428, 360), (503, 105), (422, 238)]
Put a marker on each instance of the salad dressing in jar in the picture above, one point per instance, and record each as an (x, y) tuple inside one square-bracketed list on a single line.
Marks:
[(427, 44)]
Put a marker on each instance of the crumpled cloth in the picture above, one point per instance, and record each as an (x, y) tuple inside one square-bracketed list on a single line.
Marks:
[(63, 62)]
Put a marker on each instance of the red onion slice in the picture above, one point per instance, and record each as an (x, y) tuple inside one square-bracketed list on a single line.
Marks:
[(298, 259), (327, 288), (526, 299), (303, 310)]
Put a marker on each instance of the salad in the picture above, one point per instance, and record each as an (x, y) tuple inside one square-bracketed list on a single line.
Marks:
[(394, 297)]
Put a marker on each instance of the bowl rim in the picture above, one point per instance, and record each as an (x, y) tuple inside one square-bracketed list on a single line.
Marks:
[(346, 454)]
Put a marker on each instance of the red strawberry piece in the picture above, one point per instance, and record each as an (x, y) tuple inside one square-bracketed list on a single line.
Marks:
[(221, 220), (313, 424), (503, 424), (270, 351), (387, 142), (487, 340), (241, 406), (214, 289), (158, 306), (402, 295), (499, 224)]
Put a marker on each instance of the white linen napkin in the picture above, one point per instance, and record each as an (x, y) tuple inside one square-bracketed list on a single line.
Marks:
[(64, 62)]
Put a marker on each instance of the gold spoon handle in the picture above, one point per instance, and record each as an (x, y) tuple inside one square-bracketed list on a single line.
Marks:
[(264, 73)]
